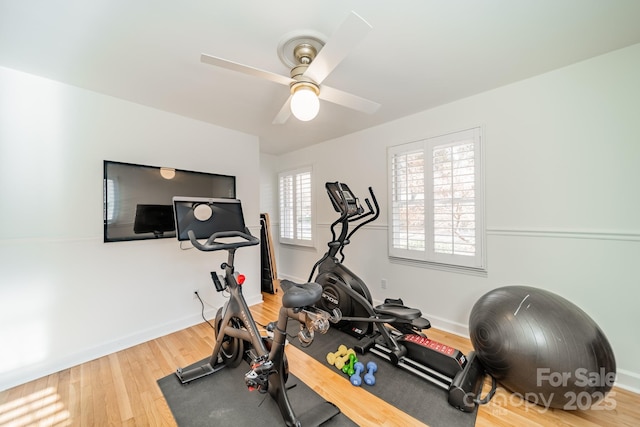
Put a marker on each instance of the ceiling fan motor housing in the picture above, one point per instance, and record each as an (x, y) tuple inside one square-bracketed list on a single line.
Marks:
[(305, 53)]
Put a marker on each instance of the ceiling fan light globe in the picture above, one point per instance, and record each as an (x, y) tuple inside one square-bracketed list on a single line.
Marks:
[(305, 104)]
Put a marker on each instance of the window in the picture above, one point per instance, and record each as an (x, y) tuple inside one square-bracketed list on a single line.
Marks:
[(436, 200), (295, 207), (109, 194)]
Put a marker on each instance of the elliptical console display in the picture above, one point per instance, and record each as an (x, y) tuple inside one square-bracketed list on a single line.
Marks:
[(342, 199)]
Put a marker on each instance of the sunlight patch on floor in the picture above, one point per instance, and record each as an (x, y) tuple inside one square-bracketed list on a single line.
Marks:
[(41, 408)]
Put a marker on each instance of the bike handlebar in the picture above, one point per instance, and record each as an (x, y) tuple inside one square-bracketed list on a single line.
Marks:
[(212, 245)]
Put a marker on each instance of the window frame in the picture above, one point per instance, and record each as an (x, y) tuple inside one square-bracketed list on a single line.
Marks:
[(295, 209), (428, 255)]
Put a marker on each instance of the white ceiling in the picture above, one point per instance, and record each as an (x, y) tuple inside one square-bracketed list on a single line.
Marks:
[(420, 53)]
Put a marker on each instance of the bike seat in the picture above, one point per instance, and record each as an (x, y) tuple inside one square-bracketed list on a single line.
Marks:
[(299, 294), (398, 311)]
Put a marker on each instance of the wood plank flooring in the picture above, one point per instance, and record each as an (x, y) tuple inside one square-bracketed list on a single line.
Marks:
[(120, 389)]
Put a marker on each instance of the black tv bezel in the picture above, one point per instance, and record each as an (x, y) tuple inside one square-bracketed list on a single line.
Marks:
[(131, 236)]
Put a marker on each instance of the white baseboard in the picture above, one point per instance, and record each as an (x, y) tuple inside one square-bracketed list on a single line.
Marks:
[(292, 278), (50, 366), (628, 380), (253, 300), (448, 326)]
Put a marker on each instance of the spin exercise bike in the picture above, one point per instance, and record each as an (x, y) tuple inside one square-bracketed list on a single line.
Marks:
[(391, 330), (221, 223)]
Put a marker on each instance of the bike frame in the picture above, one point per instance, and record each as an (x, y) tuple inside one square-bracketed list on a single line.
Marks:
[(264, 361)]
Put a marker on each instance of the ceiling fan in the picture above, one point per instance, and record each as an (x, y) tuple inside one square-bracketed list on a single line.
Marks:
[(311, 60)]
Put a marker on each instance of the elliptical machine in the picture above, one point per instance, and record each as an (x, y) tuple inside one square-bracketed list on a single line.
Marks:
[(391, 330)]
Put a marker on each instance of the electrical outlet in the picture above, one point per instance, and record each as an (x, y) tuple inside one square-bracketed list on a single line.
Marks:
[(383, 283)]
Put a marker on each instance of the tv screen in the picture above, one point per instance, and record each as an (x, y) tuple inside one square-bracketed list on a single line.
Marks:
[(138, 199), (219, 215)]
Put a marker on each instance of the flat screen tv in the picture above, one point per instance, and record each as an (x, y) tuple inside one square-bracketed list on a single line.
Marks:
[(138, 199)]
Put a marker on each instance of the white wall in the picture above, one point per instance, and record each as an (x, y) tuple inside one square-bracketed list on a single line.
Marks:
[(65, 296), (561, 158)]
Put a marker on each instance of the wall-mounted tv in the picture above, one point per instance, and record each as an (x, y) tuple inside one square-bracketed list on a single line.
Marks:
[(138, 198)]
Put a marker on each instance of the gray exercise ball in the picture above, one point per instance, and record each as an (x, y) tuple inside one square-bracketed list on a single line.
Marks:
[(542, 347)]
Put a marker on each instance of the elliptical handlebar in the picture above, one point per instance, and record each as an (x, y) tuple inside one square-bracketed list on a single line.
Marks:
[(373, 210), (366, 200), (212, 245)]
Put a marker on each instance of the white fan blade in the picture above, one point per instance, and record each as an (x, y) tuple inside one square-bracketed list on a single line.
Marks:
[(245, 69), (283, 114), (352, 31), (348, 100)]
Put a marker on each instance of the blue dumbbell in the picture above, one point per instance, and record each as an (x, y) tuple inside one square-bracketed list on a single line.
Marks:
[(369, 379), (356, 379)]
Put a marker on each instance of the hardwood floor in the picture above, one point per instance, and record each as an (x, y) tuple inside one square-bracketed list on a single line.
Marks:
[(120, 390)]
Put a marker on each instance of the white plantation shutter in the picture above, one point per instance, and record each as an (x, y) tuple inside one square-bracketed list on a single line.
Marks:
[(407, 201), (295, 207), (303, 210), (436, 200), (286, 207)]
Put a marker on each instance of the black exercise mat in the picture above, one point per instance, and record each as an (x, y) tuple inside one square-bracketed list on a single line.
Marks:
[(407, 392), (222, 399)]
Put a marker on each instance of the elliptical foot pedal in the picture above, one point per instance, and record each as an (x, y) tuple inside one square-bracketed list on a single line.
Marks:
[(319, 414)]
